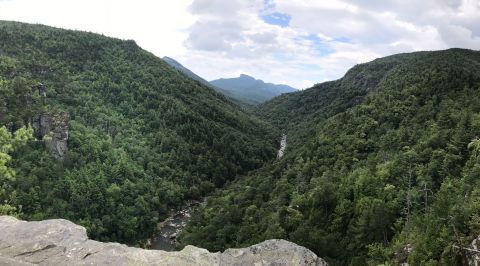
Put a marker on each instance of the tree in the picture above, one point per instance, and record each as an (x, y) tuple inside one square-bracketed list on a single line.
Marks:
[(8, 143)]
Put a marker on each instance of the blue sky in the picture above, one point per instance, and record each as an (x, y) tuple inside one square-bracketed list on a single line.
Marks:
[(295, 42), (277, 18)]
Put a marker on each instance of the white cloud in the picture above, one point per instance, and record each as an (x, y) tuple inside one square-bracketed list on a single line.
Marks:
[(313, 40), (155, 25)]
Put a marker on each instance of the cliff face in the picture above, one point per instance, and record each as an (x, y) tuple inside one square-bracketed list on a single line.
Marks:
[(53, 129), (61, 242)]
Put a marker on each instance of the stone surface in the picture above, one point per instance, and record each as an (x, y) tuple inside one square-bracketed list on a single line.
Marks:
[(61, 242), (53, 129)]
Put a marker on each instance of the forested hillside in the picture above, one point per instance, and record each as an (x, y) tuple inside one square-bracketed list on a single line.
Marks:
[(381, 166), (173, 63), (142, 137)]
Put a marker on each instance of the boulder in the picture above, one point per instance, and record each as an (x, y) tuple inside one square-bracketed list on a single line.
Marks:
[(61, 242)]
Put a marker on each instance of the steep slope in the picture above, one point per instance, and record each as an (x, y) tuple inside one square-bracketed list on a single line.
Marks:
[(250, 90), (383, 163), (142, 138), (173, 63)]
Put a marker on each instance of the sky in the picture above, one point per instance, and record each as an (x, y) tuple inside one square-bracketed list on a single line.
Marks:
[(294, 42)]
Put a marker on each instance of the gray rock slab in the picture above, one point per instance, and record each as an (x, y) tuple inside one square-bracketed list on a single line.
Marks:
[(61, 242)]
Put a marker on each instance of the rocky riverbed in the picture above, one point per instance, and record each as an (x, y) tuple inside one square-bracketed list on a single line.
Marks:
[(165, 237)]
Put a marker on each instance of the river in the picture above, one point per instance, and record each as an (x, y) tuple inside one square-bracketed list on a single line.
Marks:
[(283, 146), (165, 237)]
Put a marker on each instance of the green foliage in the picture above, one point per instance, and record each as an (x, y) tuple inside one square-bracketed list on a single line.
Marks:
[(143, 138), (8, 143), (381, 161), (381, 166)]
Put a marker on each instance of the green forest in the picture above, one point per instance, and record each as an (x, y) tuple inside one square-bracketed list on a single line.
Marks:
[(382, 166), (143, 138)]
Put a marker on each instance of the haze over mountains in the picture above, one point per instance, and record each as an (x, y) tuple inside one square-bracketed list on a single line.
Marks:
[(250, 90), (244, 89)]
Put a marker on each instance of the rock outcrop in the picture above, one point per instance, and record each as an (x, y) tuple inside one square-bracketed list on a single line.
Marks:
[(61, 242), (53, 129)]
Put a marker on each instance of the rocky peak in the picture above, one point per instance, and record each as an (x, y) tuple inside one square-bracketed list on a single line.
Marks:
[(61, 242), (245, 76)]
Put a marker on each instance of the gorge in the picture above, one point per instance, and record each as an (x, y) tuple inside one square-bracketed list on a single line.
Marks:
[(382, 165)]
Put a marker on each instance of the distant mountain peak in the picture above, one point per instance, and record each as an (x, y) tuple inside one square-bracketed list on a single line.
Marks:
[(244, 89), (245, 76), (250, 90)]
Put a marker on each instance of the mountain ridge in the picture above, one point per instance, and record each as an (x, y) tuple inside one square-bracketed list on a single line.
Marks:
[(382, 166), (142, 137), (251, 90), (174, 63), (383, 162), (244, 90)]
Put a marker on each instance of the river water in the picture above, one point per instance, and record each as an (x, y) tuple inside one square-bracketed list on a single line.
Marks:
[(283, 146), (165, 237)]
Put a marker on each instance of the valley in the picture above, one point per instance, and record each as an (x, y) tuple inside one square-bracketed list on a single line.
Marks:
[(381, 166), (164, 237)]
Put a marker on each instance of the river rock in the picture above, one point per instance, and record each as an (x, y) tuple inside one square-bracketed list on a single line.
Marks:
[(61, 242)]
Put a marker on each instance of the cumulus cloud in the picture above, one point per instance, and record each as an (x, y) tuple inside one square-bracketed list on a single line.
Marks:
[(297, 42), (301, 42), (155, 25)]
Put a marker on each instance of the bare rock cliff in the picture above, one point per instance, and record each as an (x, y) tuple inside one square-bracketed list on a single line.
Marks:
[(61, 242), (53, 129)]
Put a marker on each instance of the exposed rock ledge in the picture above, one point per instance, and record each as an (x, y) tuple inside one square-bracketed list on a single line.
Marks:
[(61, 242)]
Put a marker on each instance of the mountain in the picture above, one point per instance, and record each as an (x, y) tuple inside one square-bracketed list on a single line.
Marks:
[(250, 90), (122, 138), (173, 63), (244, 90), (381, 167)]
